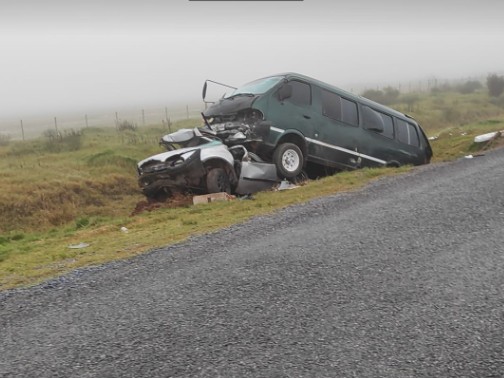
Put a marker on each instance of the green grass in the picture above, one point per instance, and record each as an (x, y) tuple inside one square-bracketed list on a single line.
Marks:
[(52, 200), (458, 141)]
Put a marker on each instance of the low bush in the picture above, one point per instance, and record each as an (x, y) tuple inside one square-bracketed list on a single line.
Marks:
[(68, 140)]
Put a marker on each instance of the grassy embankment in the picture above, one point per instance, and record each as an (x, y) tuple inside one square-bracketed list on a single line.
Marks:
[(56, 193)]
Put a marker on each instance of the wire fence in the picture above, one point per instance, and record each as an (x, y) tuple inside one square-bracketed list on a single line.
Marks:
[(34, 126)]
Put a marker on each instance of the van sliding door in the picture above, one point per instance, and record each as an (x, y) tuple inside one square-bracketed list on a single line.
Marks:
[(334, 141)]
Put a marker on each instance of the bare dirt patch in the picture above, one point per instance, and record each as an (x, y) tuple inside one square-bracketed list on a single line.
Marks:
[(177, 200)]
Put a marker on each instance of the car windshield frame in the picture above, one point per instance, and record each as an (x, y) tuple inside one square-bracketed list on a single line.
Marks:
[(257, 87)]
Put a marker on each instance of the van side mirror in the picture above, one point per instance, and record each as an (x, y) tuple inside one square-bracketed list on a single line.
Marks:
[(285, 92)]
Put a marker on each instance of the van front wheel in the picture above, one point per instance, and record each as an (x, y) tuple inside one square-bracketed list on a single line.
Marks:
[(289, 160)]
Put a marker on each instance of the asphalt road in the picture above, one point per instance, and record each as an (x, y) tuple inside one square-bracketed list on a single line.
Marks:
[(402, 279)]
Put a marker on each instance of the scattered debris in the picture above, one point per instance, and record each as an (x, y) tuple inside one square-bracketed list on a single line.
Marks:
[(79, 246), (207, 198), (473, 156), (124, 229), (286, 185), (433, 137), (486, 137)]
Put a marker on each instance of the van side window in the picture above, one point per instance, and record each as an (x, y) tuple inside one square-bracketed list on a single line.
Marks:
[(301, 93), (406, 133), (349, 112), (339, 108), (375, 121)]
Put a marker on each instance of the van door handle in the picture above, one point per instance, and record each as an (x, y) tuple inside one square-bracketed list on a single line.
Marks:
[(306, 116)]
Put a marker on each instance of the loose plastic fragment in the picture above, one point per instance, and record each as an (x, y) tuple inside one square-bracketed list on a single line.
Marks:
[(473, 156), (285, 185), (78, 246), (207, 198), (124, 229), (485, 137)]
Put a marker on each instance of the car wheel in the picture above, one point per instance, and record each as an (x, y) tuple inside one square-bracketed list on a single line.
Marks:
[(393, 164), (217, 181), (289, 160)]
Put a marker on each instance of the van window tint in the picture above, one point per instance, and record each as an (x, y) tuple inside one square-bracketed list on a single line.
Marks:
[(338, 108), (406, 133), (301, 93), (375, 121)]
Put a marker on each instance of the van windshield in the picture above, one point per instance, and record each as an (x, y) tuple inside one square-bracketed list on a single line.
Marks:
[(257, 86)]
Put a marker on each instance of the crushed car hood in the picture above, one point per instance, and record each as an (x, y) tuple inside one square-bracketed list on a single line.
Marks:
[(168, 154)]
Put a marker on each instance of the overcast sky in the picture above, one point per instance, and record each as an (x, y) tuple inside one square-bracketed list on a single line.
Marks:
[(80, 55)]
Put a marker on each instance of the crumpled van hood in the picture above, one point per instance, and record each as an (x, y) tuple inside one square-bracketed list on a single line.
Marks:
[(230, 105)]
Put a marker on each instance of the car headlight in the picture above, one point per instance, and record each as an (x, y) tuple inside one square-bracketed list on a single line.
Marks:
[(174, 163)]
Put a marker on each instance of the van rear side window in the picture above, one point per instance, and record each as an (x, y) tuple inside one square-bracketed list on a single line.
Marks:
[(339, 108), (406, 133), (375, 120)]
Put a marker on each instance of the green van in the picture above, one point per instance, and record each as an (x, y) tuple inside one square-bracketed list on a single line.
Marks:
[(313, 122)]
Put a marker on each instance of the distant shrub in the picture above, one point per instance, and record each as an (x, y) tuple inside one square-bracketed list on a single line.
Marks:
[(498, 101), (410, 99), (388, 96), (445, 87), (126, 126), (373, 94), (68, 140), (495, 85), (469, 87)]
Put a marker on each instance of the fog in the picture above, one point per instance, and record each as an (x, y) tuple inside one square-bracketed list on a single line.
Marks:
[(68, 55)]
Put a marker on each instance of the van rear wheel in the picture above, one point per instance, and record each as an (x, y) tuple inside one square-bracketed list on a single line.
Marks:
[(289, 160)]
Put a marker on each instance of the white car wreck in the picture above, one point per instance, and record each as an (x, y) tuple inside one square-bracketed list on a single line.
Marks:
[(208, 160)]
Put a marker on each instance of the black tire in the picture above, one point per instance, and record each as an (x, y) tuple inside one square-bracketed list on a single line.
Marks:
[(393, 164), (289, 160), (217, 181)]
